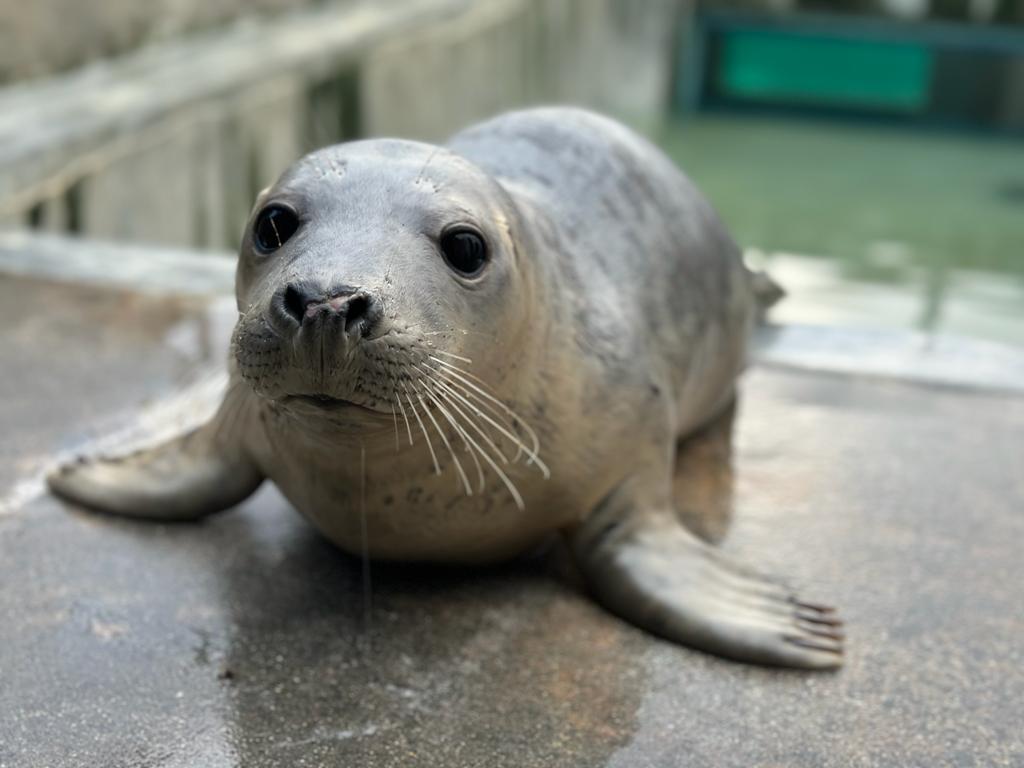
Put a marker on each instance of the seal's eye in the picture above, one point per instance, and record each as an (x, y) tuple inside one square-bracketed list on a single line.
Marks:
[(274, 226), (465, 251)]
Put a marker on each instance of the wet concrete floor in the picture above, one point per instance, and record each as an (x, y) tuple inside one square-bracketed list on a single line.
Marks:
[(247, 640)]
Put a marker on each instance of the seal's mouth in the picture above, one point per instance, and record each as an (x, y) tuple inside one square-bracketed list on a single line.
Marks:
[(324, 403)]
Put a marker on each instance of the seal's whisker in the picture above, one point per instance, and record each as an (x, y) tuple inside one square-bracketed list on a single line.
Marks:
[(508, 483), (455, 368), (398, 442), (431, 374), (447, 397), (485, 455), (453, 331), (532, 454), (466, 377), (452, 354), (489, 414), (516, 496), (482, 386), (444, 439), (448, 394), (406, 418), (365, 551), (461, 432), (471, 400), (430, 447)]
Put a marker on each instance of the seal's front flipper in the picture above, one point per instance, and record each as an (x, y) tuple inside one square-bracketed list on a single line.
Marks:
[(645, 567), (186, 478)]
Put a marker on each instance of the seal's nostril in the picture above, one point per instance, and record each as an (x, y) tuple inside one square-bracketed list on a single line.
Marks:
[(295, 303), (356, 313)]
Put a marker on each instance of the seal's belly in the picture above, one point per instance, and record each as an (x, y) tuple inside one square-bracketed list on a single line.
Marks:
[(393, 513)]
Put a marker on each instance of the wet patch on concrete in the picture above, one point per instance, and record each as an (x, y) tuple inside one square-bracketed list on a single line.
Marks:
[(448, 666), (248, 639)]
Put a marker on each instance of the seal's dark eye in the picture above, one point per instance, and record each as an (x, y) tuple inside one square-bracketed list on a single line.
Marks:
[(465, 251), (274, 226)]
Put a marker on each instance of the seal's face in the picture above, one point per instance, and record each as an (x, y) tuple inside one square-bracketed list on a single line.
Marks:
[(369, 274)]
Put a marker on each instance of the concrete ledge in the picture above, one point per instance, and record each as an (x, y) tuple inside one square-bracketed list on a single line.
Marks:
[(932, 359), (143, 268)]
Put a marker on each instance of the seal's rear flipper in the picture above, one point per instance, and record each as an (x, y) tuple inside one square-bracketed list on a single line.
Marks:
[(648, 569), (767, 293), (186, 478)]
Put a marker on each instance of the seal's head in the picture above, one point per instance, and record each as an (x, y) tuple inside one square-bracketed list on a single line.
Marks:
[(368, 271)]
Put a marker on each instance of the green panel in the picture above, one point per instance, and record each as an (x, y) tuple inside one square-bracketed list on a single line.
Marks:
[(779, 66)]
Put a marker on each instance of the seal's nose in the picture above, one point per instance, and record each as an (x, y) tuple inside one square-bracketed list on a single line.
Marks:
[(354, 309)]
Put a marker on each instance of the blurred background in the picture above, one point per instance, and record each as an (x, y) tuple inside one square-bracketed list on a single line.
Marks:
[(867, 151)]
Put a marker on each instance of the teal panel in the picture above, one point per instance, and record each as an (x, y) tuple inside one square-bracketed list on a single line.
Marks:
[(781, 66)]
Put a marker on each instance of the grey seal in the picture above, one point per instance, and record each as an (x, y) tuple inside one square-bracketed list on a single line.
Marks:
[(447, 353)]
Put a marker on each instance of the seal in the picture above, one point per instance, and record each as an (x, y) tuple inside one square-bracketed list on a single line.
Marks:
[(448, 353)]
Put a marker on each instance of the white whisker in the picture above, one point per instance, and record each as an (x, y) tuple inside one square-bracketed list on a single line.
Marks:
[(447, 394), (365, 551), (532, 454), (452, 354), (430, 447), (452, 331), (458, 465), (458, 373), (469, 398), (461, 432), (406, 418), (516, 497)]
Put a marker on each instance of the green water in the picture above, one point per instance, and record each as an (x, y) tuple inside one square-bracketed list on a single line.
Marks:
[(913, 212)]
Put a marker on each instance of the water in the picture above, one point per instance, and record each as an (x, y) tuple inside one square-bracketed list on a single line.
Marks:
[(870, 226)]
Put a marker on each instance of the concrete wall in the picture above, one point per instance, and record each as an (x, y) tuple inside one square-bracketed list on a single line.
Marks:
[(40, 37), (609, 54), (172, 143)]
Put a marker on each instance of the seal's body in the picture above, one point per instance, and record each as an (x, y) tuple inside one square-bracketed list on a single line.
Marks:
[(448, 353)]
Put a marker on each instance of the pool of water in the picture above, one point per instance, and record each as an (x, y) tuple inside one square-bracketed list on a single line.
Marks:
[(869, 225)]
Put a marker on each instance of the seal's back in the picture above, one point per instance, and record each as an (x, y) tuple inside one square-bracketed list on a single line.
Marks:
[(648, 257)]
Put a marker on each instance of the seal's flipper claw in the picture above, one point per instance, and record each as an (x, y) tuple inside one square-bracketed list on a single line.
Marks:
[(186, 478), (820, 630), (653, 572), (827, 619), (813, 606)]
